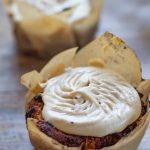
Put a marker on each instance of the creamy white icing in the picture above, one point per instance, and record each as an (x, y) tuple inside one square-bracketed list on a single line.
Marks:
[(80, 8), (90, 101), (16, 13)]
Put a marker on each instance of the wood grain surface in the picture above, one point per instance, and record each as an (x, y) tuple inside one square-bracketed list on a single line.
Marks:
[(128, 19)]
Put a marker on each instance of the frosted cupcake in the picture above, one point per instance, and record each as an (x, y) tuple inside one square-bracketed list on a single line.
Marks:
[(46, 27), (91, 99)]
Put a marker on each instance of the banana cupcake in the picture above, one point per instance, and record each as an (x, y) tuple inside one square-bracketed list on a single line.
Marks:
[(46, 27), (91, 99)]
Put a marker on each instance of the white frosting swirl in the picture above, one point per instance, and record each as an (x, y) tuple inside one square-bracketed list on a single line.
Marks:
[(90, 101), (80, 8)]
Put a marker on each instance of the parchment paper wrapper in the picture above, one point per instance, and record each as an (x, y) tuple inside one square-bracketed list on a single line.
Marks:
[(45, 36), (107, 51)]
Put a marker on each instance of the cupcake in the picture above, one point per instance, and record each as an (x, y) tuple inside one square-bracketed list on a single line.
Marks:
[(91, 99), (46, 27)]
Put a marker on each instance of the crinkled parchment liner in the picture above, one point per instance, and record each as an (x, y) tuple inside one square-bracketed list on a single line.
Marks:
[(107, 51), (47, 35)]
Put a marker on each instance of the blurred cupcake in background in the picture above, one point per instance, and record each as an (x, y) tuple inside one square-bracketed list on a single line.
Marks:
[(46, 27)]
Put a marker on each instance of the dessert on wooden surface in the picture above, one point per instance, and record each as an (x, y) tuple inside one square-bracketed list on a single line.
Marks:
[(46, 27), (93, 98)]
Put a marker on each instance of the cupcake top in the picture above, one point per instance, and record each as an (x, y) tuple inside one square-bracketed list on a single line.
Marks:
[(75, 10), (90, 101)]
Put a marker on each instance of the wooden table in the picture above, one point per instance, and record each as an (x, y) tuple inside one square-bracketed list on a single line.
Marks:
[(128, 19)]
